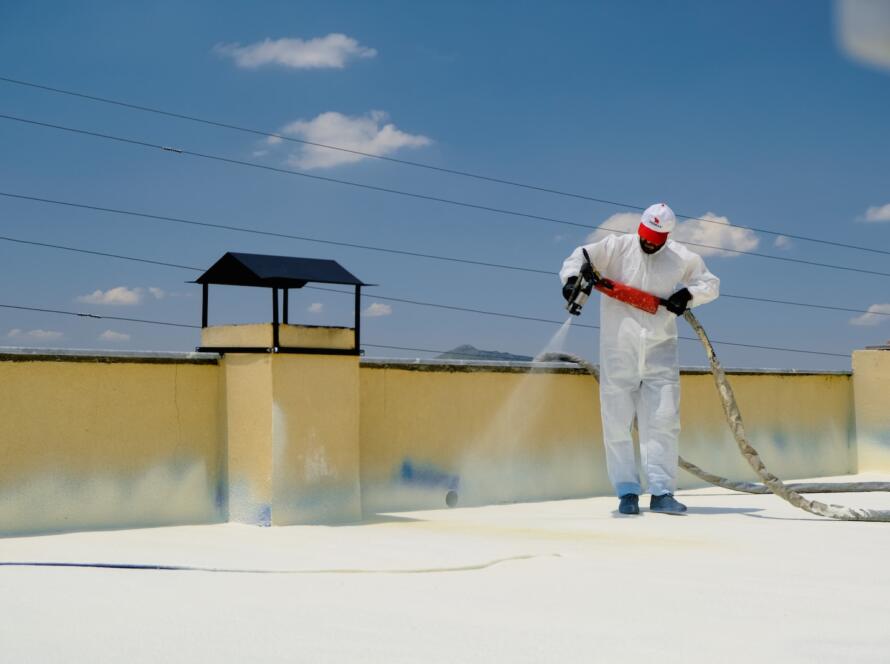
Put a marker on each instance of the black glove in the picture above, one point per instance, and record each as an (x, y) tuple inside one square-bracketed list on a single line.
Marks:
[(569, 287), (678, 302), (594, 277)]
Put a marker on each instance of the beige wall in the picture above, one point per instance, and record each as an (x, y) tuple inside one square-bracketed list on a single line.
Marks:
[(246, 437), (503, 435), (801, 424), (507, 435), (291, 425), (315, 439), (104, 442), (871, 388), (260, 335)]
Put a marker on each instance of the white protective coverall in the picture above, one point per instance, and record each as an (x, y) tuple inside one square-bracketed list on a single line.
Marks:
[(639, 363)]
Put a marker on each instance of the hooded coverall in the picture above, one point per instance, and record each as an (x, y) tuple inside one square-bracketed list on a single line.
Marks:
[(639, 363)]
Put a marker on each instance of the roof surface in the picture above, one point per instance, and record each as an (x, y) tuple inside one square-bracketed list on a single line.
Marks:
[(238, 269), (742, 578)]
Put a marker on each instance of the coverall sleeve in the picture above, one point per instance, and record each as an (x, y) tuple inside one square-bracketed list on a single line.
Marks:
[(599, 253), (703, 285)]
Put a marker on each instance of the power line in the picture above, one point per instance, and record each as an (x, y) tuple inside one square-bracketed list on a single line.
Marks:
[(81, 314), (456, 308), (351, 245), (559, 322), (417, 302), (319, 288), (255, 231), (406, 162), (379, 297), (595, 327), (437, 199), (288, 171), (808, 304), (95, 253), (427, 350)]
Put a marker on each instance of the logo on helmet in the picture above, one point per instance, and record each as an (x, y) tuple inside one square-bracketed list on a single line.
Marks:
[(655, 221)]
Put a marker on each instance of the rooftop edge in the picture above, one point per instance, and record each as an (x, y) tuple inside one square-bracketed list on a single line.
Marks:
[(18, 354), (553, 367)]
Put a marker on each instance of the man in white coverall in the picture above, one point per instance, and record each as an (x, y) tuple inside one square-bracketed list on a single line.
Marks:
[(639, 363)]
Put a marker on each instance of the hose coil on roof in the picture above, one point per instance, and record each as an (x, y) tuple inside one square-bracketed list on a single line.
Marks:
[(771, 483)]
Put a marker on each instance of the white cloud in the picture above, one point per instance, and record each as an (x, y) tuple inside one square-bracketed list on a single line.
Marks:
[(783, 242), (712, 230), (717, 232), (329, 52), (378, 309), (315, 308), (624, 222), (120, 295), (157, 293), (863, 30), (116, 337), (370, 133), (34, 335), (874, 315), (878, 213), (259, 153)]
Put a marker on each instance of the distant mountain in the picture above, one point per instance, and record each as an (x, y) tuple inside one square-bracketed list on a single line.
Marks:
[(468, 352)]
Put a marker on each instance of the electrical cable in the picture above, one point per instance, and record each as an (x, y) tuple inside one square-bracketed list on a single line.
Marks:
[(437, 199), (255, 231), (425, 350), (98, 316), (95, 253), (391, 299), (352, 245), (406, 162)]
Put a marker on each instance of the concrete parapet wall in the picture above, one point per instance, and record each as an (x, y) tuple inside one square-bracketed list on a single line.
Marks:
[(512, 432), (800, 423), (103, 440), (291, 438), (260, 335), (489, 433), (91, 441), (871, 389)]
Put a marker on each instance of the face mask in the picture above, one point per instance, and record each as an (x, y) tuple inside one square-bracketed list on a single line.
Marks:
[(648, 247)]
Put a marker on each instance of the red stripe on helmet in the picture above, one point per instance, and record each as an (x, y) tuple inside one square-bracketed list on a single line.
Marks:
[(652, 236)]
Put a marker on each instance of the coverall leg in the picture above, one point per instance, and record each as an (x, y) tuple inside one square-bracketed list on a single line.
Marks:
[(658, 419), (659, 426), (619, 398)]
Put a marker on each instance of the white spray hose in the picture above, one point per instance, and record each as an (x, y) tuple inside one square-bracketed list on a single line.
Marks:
[(771, 483)]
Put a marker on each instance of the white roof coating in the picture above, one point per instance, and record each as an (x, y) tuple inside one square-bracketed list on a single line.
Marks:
[(741, 578)]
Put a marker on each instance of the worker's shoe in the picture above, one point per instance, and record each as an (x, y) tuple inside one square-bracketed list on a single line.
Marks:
[(666, 504), (630, 504)]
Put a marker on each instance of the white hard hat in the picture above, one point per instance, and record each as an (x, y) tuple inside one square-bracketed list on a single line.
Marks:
[(656, 222)]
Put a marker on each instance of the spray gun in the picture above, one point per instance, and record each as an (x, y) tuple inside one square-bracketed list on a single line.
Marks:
[(589, 279), (586, 280)]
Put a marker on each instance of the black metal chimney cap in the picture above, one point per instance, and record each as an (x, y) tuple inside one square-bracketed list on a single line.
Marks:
[(238, 269)]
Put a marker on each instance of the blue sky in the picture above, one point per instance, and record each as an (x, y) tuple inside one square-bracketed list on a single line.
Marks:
[(750, 112)]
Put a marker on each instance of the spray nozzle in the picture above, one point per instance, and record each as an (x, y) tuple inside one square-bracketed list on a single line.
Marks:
[(583, 286)]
